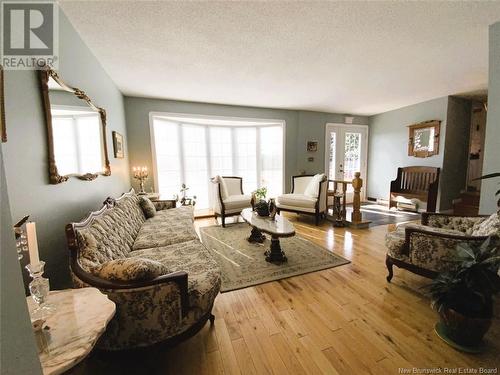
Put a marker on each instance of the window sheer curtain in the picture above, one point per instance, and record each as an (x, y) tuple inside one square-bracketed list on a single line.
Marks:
[(193, 153)]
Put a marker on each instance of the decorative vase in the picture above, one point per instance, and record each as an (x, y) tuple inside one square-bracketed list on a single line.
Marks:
[(39, 288), (262, 208), (462, 329)]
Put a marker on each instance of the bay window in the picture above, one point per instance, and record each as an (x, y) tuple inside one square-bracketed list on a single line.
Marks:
[(192, 150)]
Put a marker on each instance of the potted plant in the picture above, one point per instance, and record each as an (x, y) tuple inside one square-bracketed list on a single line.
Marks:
[(463, 296), (261, 193), (260, 204), (262, 208)]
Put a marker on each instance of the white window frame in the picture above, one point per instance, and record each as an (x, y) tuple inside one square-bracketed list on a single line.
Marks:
[(263, 121)]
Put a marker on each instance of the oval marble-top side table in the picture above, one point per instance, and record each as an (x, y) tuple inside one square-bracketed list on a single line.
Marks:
[(80, 319)]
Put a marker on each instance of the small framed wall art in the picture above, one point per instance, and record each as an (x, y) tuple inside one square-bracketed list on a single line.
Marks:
[(118, 145), (312, 146)]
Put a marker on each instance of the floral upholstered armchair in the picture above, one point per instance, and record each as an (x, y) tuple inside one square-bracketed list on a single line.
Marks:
[(429, 248)]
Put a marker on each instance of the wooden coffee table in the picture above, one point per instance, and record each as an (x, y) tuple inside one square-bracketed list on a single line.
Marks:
[(277, 228)]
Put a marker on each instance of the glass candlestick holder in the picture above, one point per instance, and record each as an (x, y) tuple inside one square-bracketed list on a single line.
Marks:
[(39, 289)]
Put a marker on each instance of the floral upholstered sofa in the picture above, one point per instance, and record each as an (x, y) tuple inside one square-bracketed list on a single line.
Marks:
[(160, 276), (429, 248)]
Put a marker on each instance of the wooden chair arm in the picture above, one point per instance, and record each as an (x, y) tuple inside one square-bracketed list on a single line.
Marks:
[(409, 231)]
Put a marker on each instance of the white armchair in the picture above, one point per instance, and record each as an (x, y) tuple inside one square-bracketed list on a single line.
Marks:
[(308, 196), (228, 197)]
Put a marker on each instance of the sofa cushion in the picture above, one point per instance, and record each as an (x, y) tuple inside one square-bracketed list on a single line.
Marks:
[(166, 228), (488, 227), (296, 200), (223, 187), (131, 269), (148, 208), (192, 257), (237, 201), (312, 188)]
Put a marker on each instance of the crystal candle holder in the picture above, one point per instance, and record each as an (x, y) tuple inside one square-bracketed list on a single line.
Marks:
[(39, 288)]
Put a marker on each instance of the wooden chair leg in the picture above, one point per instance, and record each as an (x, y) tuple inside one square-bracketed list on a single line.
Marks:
[(317, 218), (223, 218), (389, 265)]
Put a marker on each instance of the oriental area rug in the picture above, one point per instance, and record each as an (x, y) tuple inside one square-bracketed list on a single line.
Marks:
[(243, 264)]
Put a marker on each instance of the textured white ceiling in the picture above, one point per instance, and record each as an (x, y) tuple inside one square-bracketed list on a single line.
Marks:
[(347, 57)]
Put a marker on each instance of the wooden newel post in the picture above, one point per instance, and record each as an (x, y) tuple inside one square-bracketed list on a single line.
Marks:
[(357, 183)]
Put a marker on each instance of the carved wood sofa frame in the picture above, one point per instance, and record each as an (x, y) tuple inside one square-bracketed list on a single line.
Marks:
[(317, 214), (390, 261), (180, 278), (416, 182)]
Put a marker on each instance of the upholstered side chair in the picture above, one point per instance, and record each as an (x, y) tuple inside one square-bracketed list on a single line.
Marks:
[(430, 247), (308, 196), (228, 197)]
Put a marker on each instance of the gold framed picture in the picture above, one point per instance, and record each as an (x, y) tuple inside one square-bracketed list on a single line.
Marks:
[(312, 146), (118, 145)]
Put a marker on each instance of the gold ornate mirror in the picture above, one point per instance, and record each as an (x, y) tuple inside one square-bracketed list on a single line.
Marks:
[(76, 131), (423, 140)]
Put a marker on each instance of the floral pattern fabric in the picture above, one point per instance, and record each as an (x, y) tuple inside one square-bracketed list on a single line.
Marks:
[(164, 205), (111, 235), (488, 227), (131, 269), (395, 243), (167, 228), (147, 206), (192, 257), (459, 223), (150, 314), (433, 250)]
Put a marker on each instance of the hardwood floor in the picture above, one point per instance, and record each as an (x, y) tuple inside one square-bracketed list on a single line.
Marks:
[(344, 320)]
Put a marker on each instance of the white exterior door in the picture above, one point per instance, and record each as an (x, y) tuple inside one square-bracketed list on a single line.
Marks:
[(346, 153)]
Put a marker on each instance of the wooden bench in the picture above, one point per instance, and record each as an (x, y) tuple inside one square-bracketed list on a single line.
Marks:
[(416, 182)]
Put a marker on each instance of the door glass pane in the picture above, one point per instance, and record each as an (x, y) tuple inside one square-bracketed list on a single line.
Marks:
[(352, 157), (271, 160), (331, 163), (168, 164), (246, 157), (195, 164)]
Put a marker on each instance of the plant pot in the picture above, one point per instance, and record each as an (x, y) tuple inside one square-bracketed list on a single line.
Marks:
[(462, 329), (262, 211)]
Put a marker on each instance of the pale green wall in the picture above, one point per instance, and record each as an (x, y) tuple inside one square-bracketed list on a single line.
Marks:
[(491, 162), (300, 127), (388, 143), (18, 353), (25, 153), (312, 128), (388, 146)]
